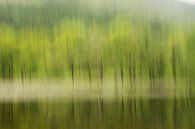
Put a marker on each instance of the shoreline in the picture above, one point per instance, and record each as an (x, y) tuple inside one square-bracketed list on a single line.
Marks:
[(17, 91)]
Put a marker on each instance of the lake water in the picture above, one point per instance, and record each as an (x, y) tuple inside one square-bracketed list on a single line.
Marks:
[(127, 113)]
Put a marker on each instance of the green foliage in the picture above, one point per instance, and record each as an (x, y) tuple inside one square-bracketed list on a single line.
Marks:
[(93, 46)]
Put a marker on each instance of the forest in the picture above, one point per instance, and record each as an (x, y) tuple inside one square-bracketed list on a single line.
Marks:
[(66, 40)]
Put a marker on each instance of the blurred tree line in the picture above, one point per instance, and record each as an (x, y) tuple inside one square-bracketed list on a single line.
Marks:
[(70, 41)]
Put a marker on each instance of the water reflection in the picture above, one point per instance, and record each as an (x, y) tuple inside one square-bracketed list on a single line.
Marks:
[(134, 113)]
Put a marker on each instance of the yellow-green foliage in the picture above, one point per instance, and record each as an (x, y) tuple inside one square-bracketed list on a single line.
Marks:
[(73, 45), (7, 37)]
